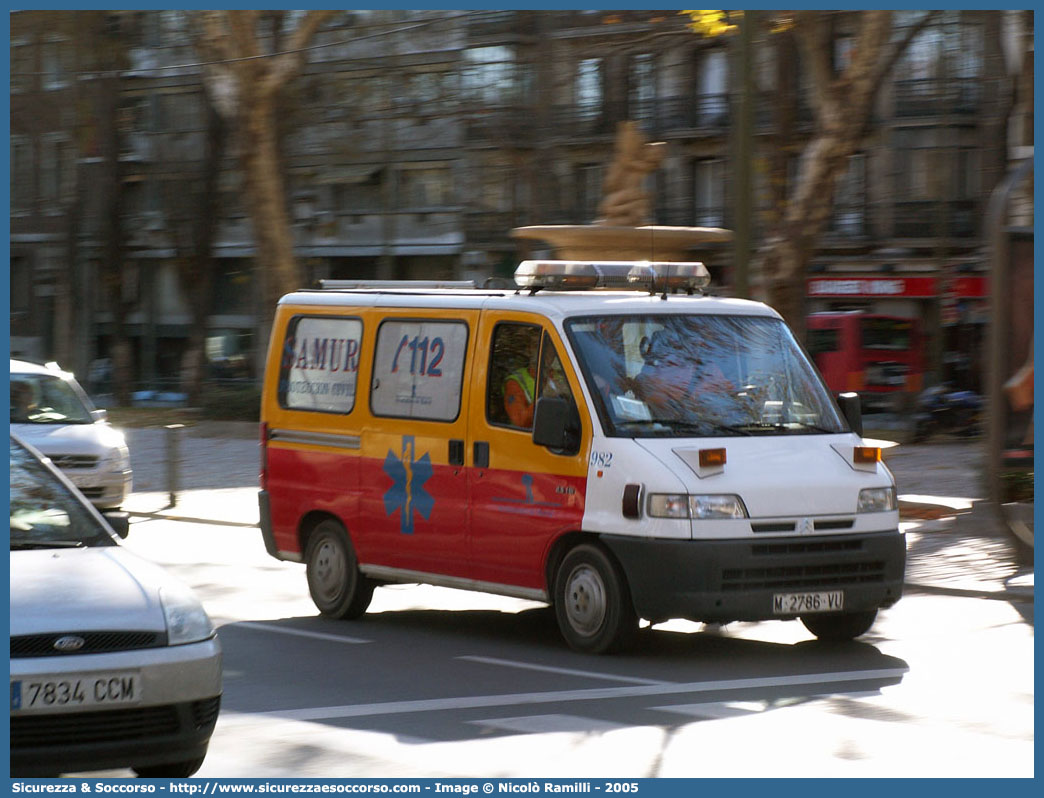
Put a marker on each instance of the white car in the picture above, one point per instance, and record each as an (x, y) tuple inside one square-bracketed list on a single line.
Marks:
[(51, 412), (114, 663)]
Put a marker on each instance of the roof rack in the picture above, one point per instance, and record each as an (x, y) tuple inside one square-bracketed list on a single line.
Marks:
[(344, 285)]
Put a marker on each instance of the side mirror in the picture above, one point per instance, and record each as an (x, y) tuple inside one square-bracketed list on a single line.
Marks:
[(851, 409), (120, 522), (99, 415), (556, 425)]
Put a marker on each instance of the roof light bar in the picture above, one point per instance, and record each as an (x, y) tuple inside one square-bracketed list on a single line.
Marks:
[(575, 275)]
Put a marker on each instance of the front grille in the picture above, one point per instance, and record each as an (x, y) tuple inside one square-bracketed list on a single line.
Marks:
[(846, 523), (42, 645), (93, 493), (790, 526), (82, 728), (798, 546), (786, 577), (74, 461), (773, 526), (111, 726), (805, 564), (205, 712)]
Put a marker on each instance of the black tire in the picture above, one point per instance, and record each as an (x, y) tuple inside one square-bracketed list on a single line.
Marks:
[(170, 770), (334, 581), (839, 626), (592, 602)]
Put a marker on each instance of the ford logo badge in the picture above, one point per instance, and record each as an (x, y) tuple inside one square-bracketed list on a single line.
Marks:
[(69, 643)]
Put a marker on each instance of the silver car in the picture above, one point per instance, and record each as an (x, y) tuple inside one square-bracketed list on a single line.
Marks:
[(50, 411), (114, 663)]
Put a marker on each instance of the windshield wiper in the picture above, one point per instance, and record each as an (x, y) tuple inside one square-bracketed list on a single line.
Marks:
[(691, 426), (779, 426), (47, 544)]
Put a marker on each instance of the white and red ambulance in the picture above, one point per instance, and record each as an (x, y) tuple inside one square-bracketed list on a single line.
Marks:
[(604, 438)]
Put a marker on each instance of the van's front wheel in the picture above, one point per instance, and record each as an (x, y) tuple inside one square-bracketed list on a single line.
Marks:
[(334, 581), (839, 626), (592, 601)]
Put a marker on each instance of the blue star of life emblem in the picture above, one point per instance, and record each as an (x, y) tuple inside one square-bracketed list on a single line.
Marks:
[(407, 493)]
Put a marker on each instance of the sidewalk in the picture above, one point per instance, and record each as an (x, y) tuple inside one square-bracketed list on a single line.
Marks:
[(960, 551)]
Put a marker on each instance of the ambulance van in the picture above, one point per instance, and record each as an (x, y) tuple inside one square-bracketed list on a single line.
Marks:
[(604, 438)]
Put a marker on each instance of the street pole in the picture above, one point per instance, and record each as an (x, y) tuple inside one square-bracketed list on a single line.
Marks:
[(173, 462)]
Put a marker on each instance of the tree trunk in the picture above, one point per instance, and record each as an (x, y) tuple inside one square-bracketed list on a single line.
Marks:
[(113, 267), (198, 276), (266, 202)]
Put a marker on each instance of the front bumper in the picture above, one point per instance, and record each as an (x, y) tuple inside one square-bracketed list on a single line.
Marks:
[(48, 745), (106, 491), (181, 697), (718, 581)]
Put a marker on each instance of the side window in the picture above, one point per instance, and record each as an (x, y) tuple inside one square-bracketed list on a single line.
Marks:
[(820, 341), (553, 380), (418, 369), (523, 367), (513, 359), (320, 364)]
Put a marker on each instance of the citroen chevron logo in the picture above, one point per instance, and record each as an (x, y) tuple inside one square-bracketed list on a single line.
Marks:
[(407, 493)]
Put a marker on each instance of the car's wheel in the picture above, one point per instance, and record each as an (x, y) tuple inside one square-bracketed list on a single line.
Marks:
[(170, 770), (592, 601), (839, 626), (334, 581)]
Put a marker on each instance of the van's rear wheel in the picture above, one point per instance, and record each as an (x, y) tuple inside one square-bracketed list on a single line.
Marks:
[(592, 601), (334, 581), (839, 626)]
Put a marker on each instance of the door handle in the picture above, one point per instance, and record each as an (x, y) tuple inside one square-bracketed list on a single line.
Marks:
[(456, 452), (480, 452)]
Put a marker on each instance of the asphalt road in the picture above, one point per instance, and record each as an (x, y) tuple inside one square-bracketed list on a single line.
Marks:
[(441, 683), (436, 683)]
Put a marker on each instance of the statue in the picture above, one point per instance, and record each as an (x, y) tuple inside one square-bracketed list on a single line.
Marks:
[(626, 230), (626, 202)]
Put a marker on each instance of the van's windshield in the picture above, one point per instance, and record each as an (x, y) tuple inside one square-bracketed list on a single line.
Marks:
[(700, 375)]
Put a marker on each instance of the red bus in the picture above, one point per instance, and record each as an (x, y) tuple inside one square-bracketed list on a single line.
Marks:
[(872, 354)]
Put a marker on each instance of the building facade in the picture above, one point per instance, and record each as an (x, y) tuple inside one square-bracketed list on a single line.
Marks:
[(414, 141)]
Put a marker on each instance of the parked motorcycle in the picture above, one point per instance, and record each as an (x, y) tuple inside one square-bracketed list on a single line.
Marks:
[(940, 409)]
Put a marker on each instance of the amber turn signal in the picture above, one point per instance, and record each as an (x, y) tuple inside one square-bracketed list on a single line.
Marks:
[(866, 454), (712, 457)]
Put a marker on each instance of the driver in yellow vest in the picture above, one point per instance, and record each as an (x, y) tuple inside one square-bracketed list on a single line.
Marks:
[(519, 396)]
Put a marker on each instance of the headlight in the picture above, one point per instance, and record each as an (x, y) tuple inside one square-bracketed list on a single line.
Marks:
[(877, 500), (116, 461), (717, 506), (187, 621), (668, 505), (678, 505)]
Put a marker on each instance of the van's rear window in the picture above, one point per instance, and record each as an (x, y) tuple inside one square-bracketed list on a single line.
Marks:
[(320, 364)]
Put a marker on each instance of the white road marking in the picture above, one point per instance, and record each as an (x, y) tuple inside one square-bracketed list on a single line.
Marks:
[(612, 677), (302, 632), (589, 694), (549, 724)]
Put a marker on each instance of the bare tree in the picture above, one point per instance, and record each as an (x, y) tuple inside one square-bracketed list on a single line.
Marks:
[(112, 266), (192, 207), (843, 103), (244, 81)]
